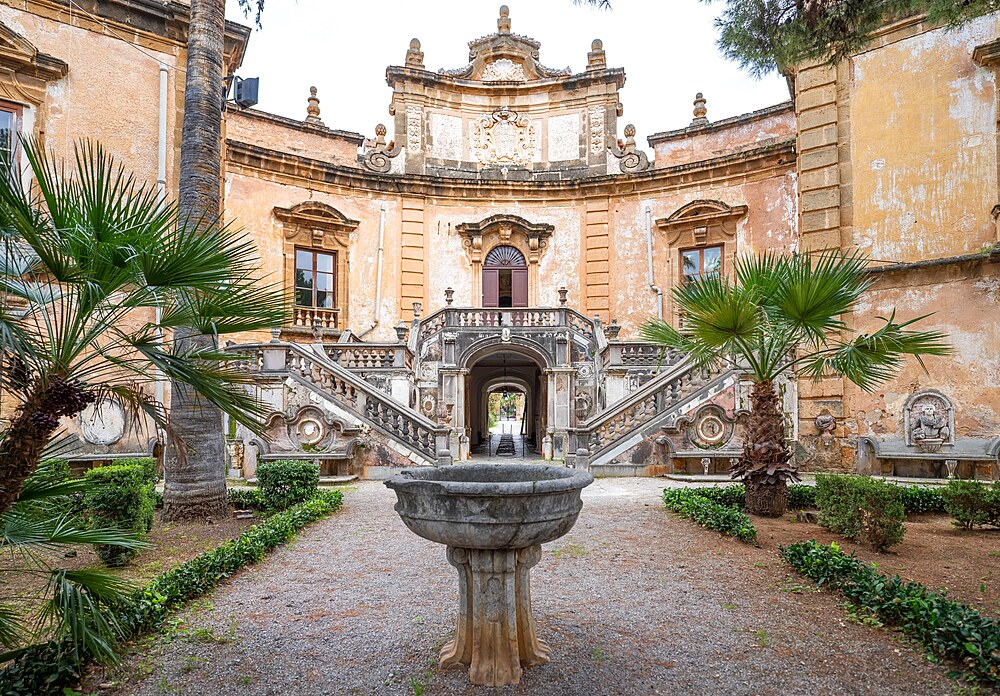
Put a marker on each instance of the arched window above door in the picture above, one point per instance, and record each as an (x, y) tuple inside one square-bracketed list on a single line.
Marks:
[(506, 256), (505, 278)]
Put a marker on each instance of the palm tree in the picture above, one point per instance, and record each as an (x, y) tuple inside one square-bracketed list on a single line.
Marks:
[(783, 316), (195, 486), (73, 608), (87, 255)]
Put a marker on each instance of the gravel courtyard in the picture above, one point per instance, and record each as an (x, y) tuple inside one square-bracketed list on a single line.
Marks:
[(632, 601)]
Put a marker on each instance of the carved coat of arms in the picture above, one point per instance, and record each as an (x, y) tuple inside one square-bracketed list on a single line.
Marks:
[(504, 137)]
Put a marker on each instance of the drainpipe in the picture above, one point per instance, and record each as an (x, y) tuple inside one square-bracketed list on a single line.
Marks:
[(378, 273), (161, 194), (649, 249)]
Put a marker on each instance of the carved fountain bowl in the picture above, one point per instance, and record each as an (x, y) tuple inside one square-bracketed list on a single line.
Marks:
[(490, 506)]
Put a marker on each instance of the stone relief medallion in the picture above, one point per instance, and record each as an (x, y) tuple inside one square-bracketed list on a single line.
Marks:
[(503, 137), (929, 421), (505, 335), (585, 370), (711, 428), (428, 372), (504, 70), (427, 405), (309, 431), (102, 423)]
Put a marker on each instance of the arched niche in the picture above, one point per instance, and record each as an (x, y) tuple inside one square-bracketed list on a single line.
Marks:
[(318, 228), (503, 230)]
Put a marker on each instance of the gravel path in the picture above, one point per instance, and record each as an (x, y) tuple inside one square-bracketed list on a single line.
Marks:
[(632, 601)]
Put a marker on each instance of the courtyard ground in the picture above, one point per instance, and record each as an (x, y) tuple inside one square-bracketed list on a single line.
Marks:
[(632, 601)]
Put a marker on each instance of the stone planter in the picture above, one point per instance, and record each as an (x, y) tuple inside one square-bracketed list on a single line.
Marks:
[(493, 518)]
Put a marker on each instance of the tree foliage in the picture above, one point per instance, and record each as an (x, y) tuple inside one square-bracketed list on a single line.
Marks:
[(765, 35)]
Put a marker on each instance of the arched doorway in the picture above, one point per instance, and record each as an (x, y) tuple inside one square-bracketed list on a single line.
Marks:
[(505, 278)]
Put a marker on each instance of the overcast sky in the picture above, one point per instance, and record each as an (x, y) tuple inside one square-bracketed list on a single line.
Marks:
[(667, 48)]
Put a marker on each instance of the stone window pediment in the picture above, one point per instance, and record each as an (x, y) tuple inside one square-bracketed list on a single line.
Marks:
[(506, 234), (318, 227), (701, 223), (24, 71)]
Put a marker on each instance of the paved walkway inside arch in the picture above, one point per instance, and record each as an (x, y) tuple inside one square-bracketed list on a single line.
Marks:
[(632, 601)]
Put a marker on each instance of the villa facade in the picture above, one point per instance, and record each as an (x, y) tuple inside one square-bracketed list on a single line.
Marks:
[(504, 230)]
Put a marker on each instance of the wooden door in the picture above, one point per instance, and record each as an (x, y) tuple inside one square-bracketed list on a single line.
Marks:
[(519, 287), (491, 287)]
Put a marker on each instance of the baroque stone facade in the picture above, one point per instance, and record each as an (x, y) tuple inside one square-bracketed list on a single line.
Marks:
[(894, 153)]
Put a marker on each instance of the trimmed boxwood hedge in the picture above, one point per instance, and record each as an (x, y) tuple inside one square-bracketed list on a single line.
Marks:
[(916, 499), (947, 628), (726, 519), (48, 669)]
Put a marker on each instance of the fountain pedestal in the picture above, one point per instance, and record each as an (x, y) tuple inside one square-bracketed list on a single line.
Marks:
[(493, 519), (496, 631)]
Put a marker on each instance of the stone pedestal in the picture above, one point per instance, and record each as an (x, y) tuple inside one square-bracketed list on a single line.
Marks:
[(496, 631)]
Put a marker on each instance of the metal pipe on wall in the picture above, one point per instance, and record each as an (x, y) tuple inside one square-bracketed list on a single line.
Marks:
[(652, 278), (378, 273), (161, 192)]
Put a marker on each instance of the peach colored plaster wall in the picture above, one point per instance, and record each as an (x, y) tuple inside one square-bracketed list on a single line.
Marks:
[(683, 149), (924, 160), (961, 305), (303, 139), (111, 93)]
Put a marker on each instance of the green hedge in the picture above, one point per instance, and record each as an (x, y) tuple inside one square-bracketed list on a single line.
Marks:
[(246, 499), (861, 509), (146, 464), (947, 628), (916, 499), (973, 504), (45, 670), (119, 496), (727, 519), (287, 482)]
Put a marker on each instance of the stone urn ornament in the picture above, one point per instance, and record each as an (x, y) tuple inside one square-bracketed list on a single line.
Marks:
[(493, 519)]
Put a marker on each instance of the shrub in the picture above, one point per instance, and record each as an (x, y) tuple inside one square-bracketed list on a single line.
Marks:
[(947, 628), (973, 504), (799, 495), (726, 519), (861, 509), (146, 464), (46, 669), (246, 498), (287, 482), (118, 496)]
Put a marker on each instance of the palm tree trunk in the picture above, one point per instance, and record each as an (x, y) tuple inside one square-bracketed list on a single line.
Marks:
[(765, 454), (194, 465)]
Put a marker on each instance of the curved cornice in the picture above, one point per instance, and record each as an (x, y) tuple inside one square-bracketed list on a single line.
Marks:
[(770, 160)]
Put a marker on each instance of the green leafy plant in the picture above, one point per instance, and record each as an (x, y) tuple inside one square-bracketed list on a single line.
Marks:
[(86, 248), (246, 499), (722, 518), (286, 482), (120, 497), (949, 629), (782, 315), (147, 608), (861, 509), (972, 504)]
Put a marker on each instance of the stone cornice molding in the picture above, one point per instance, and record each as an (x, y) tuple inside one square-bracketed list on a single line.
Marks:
[(396, 74), (770, 160), (20, 55)]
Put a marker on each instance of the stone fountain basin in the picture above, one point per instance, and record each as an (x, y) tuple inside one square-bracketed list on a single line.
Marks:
[(490, 506)]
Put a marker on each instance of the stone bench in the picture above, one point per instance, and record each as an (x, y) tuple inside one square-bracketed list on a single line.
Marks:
[(967, 458)]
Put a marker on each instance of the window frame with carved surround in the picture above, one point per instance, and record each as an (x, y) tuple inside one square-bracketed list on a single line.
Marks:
[(684, 277), (12, 151), (316, 227)]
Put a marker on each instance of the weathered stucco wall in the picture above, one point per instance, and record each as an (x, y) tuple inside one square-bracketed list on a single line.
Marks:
[(773, 125), (294, 137), (923, 145)]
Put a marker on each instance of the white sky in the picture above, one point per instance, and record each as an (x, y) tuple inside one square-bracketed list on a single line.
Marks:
[(667, 48)]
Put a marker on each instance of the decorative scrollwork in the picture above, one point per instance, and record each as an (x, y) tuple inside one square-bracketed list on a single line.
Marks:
[(377, 158), (630, 158)]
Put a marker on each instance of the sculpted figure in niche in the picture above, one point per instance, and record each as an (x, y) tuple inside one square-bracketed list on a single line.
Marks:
[(928, 424)]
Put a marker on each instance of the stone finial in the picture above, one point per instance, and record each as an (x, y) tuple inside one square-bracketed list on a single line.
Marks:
[(700, 112), (312, 111), (503, 23), (414, 56), (596, 59), (630, 134)]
